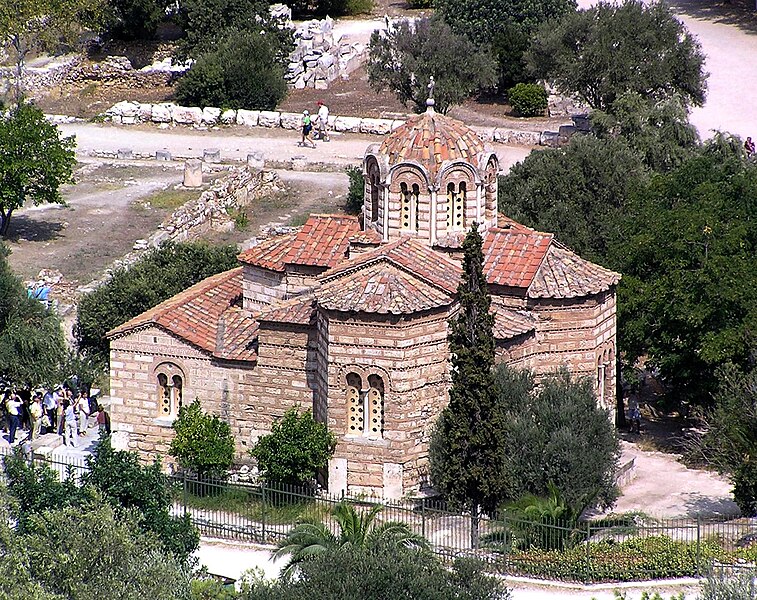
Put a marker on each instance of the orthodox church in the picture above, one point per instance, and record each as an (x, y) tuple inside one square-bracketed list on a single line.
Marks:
[(349, 317)]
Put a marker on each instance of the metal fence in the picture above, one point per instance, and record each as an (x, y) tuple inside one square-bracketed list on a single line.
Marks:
[(622, 548)]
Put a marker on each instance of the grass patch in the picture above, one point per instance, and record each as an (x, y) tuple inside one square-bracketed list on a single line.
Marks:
[(169, 199), (250, 505), (298, 220)]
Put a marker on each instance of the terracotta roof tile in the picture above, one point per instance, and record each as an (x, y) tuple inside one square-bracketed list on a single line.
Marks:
[(297, 310), (414, 257), (508, 322), (237, 333), (381, 288), (564, 274), (322, 242), (512, 258), (193, 315), (430, 139)]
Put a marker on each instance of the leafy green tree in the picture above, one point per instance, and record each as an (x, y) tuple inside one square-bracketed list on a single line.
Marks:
[(357, 530), (508, 48), (556, 437), (465, 449), (240, 72), (34, 161), (578, 192), (135, 19), (295, 450), (481, 21), (659, 132), (356, 191), (203, 442), (609, 49), (385, 572), (94, 554), (45, 25), (159, 275), (32, 346), (403, 59), (686, 248), (128, 485)]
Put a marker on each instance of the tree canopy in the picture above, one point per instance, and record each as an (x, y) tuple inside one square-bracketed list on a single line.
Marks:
[(609, 49), (686, 247), (404, 58), (203, 442), (159, 275), (464, 453), (34, 161), (295, 450), (32, 346)]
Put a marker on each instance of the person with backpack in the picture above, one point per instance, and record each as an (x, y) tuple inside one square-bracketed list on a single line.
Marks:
[(307, 130)]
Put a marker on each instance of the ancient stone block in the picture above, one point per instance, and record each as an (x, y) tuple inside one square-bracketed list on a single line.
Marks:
[(269, 118), (291, 120), (210, 115), (376, 126), (347, 124), (211, 155), (248, 118), (161, 113), (186, 115), (229, 117), (193, 173)]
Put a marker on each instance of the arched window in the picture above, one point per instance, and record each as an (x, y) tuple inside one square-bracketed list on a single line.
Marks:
[(355, 412), (460, 222), (416, 203), (170, 380), (450, 205), (404, 206), (375, 406), (374, 179), (456, 207)]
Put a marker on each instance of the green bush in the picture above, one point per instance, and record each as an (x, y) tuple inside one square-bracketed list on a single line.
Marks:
[(528, 99), (295, 450), (356, 191), (242, 71), (135, 19), (203, 442), (745, 488), (420, 3)]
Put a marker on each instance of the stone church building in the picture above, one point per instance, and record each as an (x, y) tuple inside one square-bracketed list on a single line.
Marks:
[(349, 317)]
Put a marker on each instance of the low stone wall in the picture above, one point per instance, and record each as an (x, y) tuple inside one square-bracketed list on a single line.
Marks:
[(167, 114)]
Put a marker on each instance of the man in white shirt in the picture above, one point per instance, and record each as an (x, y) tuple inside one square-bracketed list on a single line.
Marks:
[(323, 121), (14, 415)]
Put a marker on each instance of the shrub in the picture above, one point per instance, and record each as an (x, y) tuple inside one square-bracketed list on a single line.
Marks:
[(745, 488), (203, 442), (135, 19), (295, 450), (420, 3), (241, 72), (528, 99), (356, 191), (736, 587)]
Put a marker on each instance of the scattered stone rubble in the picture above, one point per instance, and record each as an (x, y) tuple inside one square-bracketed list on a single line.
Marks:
[(213, 210)]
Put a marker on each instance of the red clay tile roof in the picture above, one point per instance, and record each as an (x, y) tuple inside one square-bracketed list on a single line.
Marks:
[(414, 257), (505, 222), (194, 314), (367, 237), (430, 139), (297, 310), (381, 288), (322, 242), (564, 274), (237, 332), (512, 258), (508, 322), (269, 253)]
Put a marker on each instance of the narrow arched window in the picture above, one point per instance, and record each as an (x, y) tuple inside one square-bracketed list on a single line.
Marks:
[(460, 222), (404, 206), (176, 392), (355, 410), (170, 383), (164, 396), (375, 406), (416, 200), (450, 206), (374, 198)]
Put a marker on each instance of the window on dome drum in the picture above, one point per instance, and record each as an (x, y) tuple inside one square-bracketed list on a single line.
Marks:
[(416, 197), (404, 206), (456, 207), (374, 197), (170, 390), (355, 412)]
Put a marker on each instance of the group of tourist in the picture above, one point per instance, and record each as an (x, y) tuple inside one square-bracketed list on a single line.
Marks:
[(27, 414), (321, 121)]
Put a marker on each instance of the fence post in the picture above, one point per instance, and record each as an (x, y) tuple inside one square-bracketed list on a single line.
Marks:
[(588, 552), (184, 491), (699, 555), (262, 516), (423, 517)]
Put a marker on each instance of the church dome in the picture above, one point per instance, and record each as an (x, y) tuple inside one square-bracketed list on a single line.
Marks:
[(431, 139)]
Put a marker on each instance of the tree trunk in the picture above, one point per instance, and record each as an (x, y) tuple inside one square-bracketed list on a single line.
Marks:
[(16, 43), (475, 519), (5, 221)]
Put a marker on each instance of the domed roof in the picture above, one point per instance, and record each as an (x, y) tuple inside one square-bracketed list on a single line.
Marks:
[(430, 139)]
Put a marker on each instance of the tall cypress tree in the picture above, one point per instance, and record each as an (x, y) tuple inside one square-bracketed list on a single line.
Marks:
[(465, 466)]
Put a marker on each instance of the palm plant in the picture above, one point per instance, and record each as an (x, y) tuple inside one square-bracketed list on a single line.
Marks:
[(356, 528)]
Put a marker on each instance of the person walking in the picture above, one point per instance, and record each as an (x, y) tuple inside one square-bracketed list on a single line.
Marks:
[(13, 406), (103, 422), (323, 121), (69, 421), (50, 406), (83, 403), (307, 130)]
